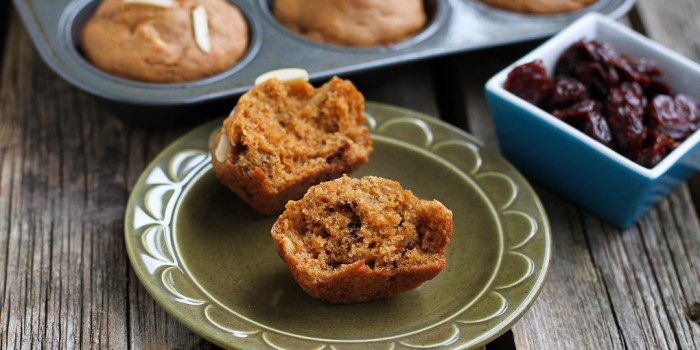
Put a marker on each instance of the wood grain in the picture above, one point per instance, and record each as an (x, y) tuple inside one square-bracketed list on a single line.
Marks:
[(674, 24), (67, 167), (607, 288), (573, 290), (68, 164), (4, 11), (408, 85)]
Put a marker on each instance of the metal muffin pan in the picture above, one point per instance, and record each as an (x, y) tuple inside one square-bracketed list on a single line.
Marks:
[(454, 26)]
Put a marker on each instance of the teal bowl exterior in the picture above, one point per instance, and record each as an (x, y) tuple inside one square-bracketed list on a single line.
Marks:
[(561, 157)]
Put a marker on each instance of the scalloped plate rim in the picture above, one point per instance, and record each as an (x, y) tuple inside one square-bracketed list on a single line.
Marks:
[(180, 315)]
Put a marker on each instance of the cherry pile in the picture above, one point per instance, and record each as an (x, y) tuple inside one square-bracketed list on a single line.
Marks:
[(612, 98)]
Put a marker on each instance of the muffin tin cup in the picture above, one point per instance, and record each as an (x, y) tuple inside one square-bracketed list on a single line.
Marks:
[(454, 26)]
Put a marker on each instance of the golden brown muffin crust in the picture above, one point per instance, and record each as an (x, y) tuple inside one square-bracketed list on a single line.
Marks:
[(156, 44), (351, 240), (540, 6), (352, 22)]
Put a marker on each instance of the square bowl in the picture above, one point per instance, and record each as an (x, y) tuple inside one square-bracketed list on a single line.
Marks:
[(559, 156)]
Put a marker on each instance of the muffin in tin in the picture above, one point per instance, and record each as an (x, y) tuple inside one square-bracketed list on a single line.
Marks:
[(165, 41), (361, 23), (540, 6)]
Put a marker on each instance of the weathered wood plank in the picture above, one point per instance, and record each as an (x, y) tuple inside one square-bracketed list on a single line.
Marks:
[(68, 164), (676, 241), (67, 167), (672, 23), (16, 245), (68, 282), (9, 161), (573, 290), (675, 25), (473, 72), (4, 10), (573, 273), (607, 288), (409, 86)]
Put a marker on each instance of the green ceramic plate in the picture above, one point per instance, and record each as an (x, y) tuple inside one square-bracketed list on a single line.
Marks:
[(209, 260)]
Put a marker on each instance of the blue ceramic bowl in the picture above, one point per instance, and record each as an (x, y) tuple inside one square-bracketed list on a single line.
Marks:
[(558, 155)]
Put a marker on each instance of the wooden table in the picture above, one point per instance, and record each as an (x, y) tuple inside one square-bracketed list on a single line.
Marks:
[(67, 165)]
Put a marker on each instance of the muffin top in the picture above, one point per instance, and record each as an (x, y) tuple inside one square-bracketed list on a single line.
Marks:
[(352, 23), (165, 40), (540, 6)]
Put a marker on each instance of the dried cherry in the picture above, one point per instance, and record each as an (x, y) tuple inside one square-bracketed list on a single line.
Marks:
[(604, 58), (598, 77), (531, 83), (611, 97), (644, 66), (658, 88), (657, 148), (567, 92), (586, 116), (570, 58), (677, 117), (624, 108)]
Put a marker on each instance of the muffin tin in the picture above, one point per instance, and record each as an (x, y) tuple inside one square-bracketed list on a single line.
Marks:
[(454, 26)]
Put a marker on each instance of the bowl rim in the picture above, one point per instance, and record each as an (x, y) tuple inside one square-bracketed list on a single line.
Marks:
[(564, 39)]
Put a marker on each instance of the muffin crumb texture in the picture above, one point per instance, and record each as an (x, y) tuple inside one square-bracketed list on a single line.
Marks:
[(282, 139), (355, 240)]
